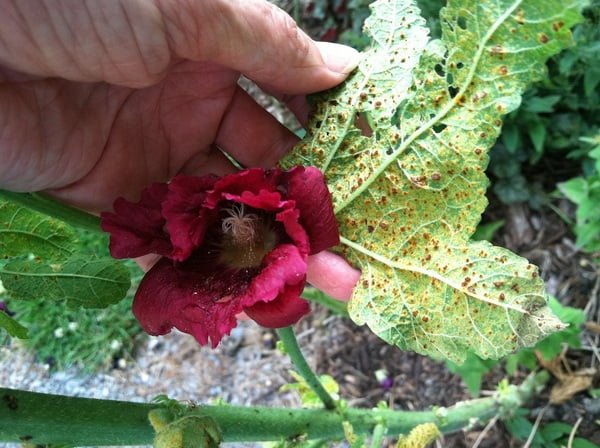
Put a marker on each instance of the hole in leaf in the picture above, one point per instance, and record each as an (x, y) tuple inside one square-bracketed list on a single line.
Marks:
[(437, 128), (459, 65), (362, 123), (450, 78), (439, 69), (461, 22), (452, 91)]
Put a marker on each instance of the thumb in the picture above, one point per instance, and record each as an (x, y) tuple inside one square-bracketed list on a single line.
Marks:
[(258, 39), (332, 274)]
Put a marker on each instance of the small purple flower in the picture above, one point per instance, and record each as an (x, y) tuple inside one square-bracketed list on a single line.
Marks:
[(386, 381)]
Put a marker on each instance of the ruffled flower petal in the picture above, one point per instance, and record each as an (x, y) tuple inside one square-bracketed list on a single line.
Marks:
[(287, 309), (202, 298), (136, 228), (255, 186), (191, 298), (290, 219), (307, 187), (186, 216), (283, 266)]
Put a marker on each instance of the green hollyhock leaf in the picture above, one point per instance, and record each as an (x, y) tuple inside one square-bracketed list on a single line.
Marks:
[(24, 232), (82, 281), (403, 143), (13, 328)]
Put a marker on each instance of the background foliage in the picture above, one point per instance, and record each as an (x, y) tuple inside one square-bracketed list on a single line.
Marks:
[(64, 336)]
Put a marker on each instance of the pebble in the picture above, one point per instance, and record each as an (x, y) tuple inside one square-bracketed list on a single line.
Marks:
[(592, 405)]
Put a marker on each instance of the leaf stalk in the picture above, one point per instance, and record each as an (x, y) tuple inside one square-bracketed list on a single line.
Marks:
[(378, 434), (292, 349)]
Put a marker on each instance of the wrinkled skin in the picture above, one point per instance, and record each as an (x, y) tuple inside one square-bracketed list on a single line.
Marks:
[(99, 99)]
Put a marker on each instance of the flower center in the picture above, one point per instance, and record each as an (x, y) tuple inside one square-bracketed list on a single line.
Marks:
[(240, 225), (247, 237)]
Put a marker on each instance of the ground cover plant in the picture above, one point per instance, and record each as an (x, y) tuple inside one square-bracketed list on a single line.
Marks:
[(403, 145)]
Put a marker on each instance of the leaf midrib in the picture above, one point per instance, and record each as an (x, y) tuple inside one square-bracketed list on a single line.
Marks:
[(441, 114), (349, 122), (429, 273), (60, 275)]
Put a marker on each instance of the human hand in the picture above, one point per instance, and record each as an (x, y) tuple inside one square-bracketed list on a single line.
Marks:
[(99, 99)]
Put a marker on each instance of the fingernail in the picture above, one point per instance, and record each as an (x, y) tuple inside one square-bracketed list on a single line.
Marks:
[(339, 58)]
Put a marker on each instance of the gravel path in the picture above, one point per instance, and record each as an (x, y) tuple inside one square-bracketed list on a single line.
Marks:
[(172, 364)]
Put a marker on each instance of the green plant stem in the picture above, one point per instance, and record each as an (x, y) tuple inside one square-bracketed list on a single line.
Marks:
[(41, 418), (378, 435), (43, 204), (292, 349), (296, 11)]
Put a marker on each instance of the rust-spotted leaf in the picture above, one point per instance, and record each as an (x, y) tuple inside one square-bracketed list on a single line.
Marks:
[(403, 143)]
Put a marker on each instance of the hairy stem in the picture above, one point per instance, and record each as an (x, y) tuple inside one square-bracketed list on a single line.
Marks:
[(43, 204), (292, 349), (41, 418)]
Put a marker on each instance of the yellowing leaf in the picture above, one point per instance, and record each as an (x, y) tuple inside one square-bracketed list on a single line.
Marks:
[(191, 431), (403, 143)]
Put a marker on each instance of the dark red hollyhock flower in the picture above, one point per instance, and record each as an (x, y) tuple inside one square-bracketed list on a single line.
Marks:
[(230, 244)]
